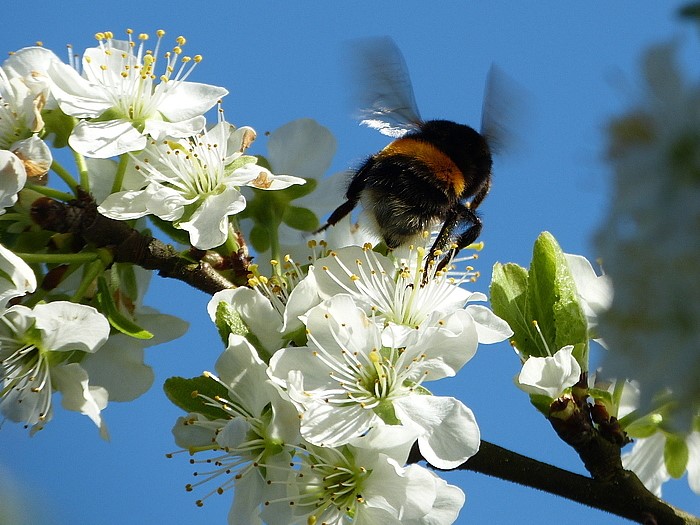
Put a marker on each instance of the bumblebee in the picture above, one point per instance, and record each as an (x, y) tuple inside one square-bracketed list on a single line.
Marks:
[(434, 172)]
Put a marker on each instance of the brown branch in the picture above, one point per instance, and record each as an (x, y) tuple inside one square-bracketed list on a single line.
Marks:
[(623, 496), (81, 218)]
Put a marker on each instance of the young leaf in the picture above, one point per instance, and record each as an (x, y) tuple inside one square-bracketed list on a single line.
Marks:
[(116, 318), (184, 392), (675, 455), (508, 293)]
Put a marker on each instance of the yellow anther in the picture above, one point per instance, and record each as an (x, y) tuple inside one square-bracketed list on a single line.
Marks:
[(177, 50), (109, 35), (99, 36), (197, 59), (143, 36), (160, 33)]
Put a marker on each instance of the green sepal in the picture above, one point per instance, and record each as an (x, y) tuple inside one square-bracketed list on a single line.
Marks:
[(675, 455), (300, 219), (298, 336), (105, 300), (176, 234), (385, 411), (183, 393), (240, 162), (60, 125), (604, 397), (643, 427), (541, 403)]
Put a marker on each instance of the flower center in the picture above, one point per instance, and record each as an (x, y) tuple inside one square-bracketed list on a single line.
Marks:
[(333, 486)]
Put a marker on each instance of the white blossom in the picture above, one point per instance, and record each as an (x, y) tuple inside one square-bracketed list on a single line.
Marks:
[(352, 376), (550, 376), (364, 484), (124, 95), (35, 350), (251, 439), (192, 183)]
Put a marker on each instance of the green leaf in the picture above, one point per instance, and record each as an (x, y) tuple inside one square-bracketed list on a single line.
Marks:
[(185, 393), (228, 321), (508, 293), (259, 238), (542, 288), (118, 320), (553, 299), (675, 455), (295, 191), (300, 219)]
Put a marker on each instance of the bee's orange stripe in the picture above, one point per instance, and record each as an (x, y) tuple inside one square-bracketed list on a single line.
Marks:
[(440, 164)]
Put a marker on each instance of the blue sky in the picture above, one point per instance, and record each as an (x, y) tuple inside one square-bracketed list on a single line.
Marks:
[(578, 64)]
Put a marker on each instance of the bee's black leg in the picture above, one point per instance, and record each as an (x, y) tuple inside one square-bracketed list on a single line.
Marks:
[(340, 212), (457, 216)]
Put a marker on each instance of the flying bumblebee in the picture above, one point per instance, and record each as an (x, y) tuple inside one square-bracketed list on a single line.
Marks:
[(435, 172)]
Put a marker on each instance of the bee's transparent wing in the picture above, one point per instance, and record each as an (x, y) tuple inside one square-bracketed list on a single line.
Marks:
[(503, 105), (384, 90)]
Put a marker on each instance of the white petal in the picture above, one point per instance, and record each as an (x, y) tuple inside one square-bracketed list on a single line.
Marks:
[(240, 368), (233, 434), (188, 435), (441, 351), (34, 154), (68, 326), (490, 327), (125, 205), (329, 425), (450, 433), (188, 99), (106, 139), (304, 296), (550, 376), (248, 494), (263, 179), (119, 368), (408, 492), (339, 325), (257, 313), (77, 96), (208, 226), (448, 502), (646, 459), (72, 381), (16, 277), (13, 177), (160, 129), (302, 147), (693, 442)]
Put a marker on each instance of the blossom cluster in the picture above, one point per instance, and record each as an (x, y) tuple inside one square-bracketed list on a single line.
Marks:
[(319, 403), (71, 317)]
